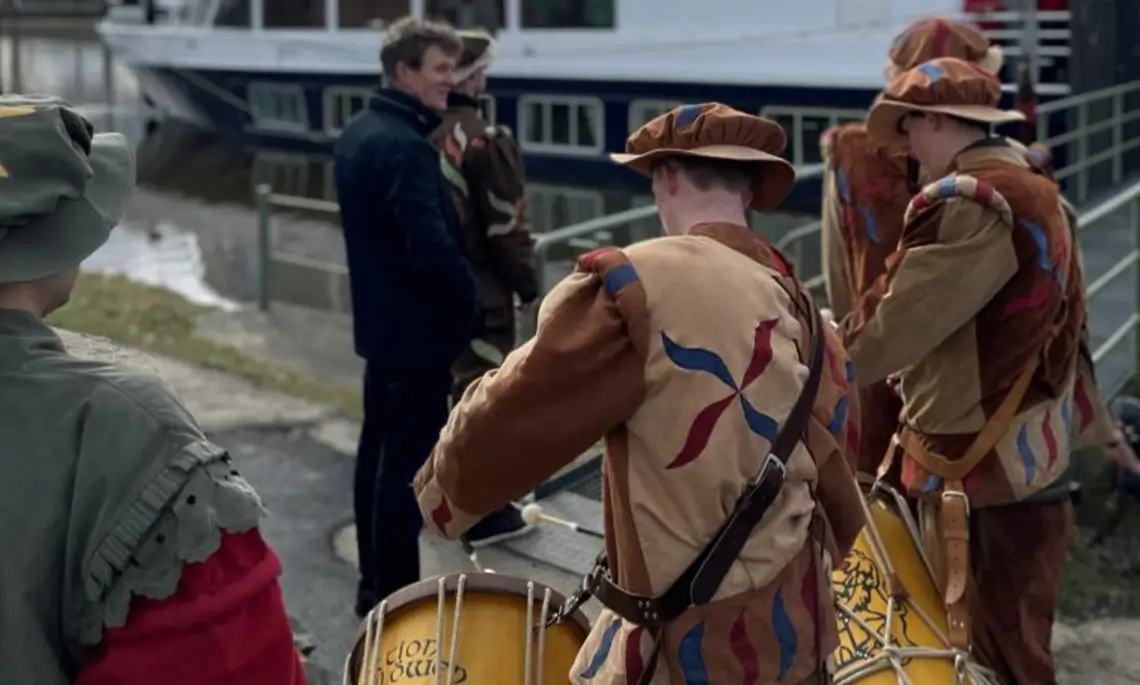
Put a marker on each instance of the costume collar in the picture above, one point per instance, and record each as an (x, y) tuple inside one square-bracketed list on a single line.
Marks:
[(19, 328)]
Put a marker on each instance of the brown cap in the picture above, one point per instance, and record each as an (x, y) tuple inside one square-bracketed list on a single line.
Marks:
[(478, 52), (937, 37), (716, 131), (947, 86)]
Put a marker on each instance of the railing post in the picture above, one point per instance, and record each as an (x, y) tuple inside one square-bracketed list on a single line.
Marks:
[(1117, 136), (264, 247), (1083, 151), (1134, 225), (1043, 127)]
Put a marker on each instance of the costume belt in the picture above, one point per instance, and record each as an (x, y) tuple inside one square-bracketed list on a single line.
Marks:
[(954, 503)]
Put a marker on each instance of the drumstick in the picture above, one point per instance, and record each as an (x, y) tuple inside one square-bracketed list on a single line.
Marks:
[(533, 514), (474, 557)]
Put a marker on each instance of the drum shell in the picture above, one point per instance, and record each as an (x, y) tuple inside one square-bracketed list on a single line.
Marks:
[(492, 637), (862, 587)]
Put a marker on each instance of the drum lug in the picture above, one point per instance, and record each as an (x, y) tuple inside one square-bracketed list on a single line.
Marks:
[(576, 600)]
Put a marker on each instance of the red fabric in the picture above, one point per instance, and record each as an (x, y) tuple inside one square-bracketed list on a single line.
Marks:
[(225, 625)]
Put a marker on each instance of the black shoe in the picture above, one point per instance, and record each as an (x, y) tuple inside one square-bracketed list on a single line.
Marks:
[(504, 524)]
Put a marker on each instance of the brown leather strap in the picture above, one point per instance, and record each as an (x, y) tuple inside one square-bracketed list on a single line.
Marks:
[(955, 530), (701, 580), (987, 437)]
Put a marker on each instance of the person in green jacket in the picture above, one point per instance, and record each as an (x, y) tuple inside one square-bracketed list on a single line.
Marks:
[(131, 543)]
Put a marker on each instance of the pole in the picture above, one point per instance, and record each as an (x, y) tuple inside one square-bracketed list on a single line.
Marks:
[(1134, 224), (1029, 39), (264, 247)]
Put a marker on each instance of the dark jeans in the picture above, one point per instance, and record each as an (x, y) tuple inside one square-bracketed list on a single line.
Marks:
[(403, 415)]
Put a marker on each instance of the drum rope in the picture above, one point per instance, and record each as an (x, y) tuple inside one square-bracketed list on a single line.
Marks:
[(893, 656), (529, 629), (370, 658), (541, 627), (453, 653), (440, 603), (535, 665)]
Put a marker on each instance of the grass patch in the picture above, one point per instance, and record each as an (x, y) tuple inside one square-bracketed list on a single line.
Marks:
[(160, 321)]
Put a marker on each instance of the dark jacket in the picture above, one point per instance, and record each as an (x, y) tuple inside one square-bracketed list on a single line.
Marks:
[(415, 300), (483, 166)]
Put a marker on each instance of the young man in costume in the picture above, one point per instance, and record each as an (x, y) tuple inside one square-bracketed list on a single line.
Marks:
[(132, 552), (867, 187), (690, 389), (484, 169), (980, 314), (866, 190)]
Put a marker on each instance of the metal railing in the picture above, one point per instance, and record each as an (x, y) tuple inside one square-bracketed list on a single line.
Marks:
[(1095, 120), (1128, 197), (1074, 146)]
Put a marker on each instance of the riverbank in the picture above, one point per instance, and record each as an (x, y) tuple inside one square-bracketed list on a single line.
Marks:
[(157, 320)]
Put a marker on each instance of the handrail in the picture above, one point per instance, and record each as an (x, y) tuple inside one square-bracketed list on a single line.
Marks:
[(542, 241), (610, 221)]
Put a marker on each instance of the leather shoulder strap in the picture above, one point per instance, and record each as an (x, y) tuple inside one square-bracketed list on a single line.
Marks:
[(713, 564)]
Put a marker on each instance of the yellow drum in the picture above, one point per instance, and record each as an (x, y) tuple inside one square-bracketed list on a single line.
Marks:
[(479, 628), (894, 635)]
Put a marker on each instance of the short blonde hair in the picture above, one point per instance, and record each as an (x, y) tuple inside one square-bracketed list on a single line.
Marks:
[(407, 39)]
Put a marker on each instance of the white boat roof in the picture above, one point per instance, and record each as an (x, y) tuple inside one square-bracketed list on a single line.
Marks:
[(814, 43)]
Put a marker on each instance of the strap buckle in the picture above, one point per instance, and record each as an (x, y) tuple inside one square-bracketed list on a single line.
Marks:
[(948, 494), (770, 462), (585, 591)]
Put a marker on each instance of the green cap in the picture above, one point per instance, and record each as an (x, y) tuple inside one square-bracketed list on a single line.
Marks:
[(62, 187)]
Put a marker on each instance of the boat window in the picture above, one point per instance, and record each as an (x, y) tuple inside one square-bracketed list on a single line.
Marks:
[(341, 105), (233, 13), (293, 14), (465, 14), (804, 126), (551, 207), (278, 106), (644, 111), (355, 14), (568, 14), (287, 174), (561, 123)]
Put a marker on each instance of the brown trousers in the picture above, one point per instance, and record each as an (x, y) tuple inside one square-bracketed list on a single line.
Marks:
[(1017, 554)]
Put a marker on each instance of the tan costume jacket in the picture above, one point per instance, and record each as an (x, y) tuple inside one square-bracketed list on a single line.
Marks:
[(985, 280), (643, 347), (865, 194), (483, 166)]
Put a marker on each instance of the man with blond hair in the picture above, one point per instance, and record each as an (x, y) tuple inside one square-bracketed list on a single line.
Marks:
[(715, 410)]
